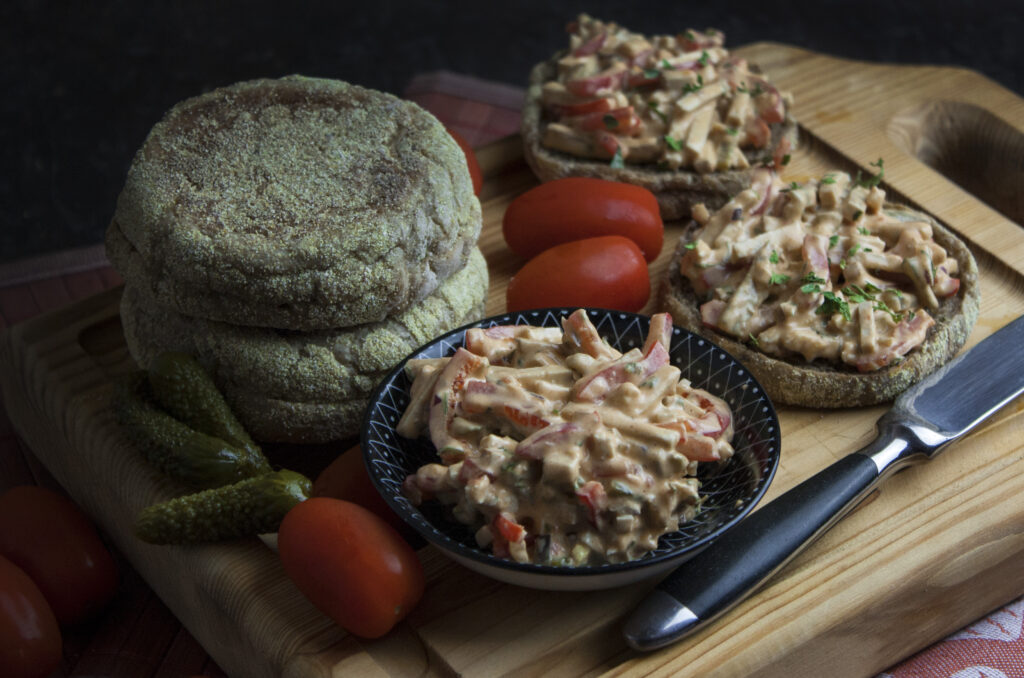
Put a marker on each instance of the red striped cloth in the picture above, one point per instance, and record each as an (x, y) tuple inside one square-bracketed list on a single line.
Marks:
[(482, 111)]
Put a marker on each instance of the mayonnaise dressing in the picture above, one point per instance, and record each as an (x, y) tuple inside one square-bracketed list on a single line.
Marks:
[(559, 449)]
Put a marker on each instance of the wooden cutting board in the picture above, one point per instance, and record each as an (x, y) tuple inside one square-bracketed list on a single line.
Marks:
[(938, 546)]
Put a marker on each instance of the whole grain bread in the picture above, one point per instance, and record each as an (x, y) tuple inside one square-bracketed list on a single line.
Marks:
[(676, 190), (301, 387), (298, 203), (823, 385)]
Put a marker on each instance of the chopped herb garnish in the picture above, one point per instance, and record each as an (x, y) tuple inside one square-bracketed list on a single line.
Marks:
[(810, 288), (833, 304), (863, 231), (874, 179), (610, 121), (842, 264), (853, 250), (703, 61), (785, 159), (857, 215), (828, 179), (752, 339), (778, 279), (690, 35), (652, 73), (690, 245), (653, 105), (665, 64), (833, 240), (812, 278), (792, 187), (617, 161), (733, 131), (672, 143), (690, 87), (774, 257)]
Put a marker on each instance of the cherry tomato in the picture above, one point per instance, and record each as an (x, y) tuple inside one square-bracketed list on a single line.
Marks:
[(30, 640), (471, 161), (54, 542), (350, 564), (606, 272), (576, 208), (346, 478)]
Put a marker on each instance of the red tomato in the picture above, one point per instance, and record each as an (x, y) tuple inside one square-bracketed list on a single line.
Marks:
[(346, 478), (575, 208), (48, 536), (30, 640), (607, 272), (471, 161), (350, 564)]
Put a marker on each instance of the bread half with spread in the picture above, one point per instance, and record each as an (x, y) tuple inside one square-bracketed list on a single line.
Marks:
[(677, 114), (830, 295)]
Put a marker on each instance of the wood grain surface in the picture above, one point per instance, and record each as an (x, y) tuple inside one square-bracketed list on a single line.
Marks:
[(936, 547)]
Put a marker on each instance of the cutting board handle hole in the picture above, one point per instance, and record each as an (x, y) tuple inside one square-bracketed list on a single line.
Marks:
[(971, 147)]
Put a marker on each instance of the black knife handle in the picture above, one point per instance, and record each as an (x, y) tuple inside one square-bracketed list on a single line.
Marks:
[(748, 553)]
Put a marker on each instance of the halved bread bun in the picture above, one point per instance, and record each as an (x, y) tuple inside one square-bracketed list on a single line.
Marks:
[(676, 189), (822, 384)]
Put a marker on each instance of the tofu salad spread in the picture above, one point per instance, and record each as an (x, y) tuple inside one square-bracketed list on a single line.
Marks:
[(558, 449), (819, 271), (675, 101)]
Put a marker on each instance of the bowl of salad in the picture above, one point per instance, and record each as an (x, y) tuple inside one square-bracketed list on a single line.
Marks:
[(571, 449)]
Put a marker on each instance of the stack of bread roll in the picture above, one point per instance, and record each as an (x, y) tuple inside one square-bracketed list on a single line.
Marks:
[(299, 237)]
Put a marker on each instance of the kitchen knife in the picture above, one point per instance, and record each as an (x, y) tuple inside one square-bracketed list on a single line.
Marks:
[(940, 409)]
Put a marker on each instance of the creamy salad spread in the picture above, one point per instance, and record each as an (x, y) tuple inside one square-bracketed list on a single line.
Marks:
[(559, 448), (819, 270), (677, 101)]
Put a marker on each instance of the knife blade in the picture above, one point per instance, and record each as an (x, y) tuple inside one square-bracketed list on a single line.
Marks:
[(924, 420)]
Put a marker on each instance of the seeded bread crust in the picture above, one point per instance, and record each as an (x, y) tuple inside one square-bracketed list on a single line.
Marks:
[(827, 385), (302, 387), (299, 203), (677, 191)]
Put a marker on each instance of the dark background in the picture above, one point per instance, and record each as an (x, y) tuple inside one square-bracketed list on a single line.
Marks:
[(82, 83)]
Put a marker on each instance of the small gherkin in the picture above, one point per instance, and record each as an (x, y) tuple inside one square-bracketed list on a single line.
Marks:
[(252, 506), (186, 390), (173, 447)]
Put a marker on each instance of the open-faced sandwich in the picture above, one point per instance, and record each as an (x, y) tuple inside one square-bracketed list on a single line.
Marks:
[(830, 295), (677, 114)]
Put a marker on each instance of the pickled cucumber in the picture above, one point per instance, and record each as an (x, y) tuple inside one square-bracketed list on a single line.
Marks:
[(192, 457), (252, 506), (186, 390)]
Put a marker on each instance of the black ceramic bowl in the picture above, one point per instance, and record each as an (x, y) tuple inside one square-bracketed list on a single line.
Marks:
[(731, 489)]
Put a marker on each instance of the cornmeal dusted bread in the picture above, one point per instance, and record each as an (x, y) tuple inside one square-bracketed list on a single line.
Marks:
[(297, 203), (302, 386)]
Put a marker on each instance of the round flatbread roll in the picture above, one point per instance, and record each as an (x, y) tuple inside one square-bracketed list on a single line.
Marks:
[(298, 203), (820, 384), (302, 386)]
